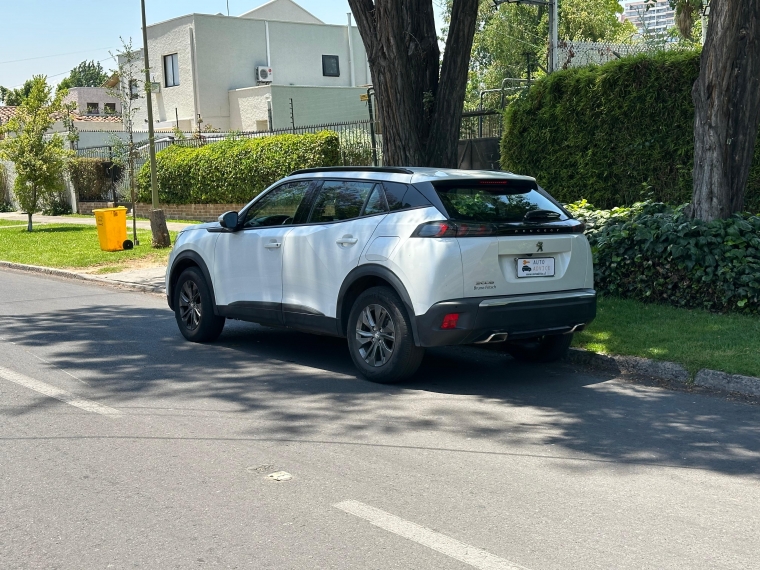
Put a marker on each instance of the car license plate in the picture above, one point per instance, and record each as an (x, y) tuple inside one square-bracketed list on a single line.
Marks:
[(535, 267)]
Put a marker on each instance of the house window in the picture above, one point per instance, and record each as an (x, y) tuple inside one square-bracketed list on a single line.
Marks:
[(109, 108), (330, 66), (93, 109), (171, 70), (134, 89)]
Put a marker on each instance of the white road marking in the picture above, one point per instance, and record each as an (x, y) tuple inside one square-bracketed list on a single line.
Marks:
[(57, 393), (451, 547)]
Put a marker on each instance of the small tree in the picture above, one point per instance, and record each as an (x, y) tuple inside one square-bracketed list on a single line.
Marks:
[(124, 152), (39, 159)]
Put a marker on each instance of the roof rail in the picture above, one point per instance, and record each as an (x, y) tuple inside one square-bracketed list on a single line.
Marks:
[(390, 169)]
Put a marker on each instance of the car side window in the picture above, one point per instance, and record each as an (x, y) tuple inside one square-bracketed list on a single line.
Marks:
[(339, 200), (278, 207), (376, 203)]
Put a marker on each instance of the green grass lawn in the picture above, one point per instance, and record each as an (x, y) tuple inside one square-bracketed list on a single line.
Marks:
[(74, 246), (693, 338), (11, 223)]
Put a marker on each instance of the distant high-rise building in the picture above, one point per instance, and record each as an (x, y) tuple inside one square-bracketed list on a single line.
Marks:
[(656, 20)]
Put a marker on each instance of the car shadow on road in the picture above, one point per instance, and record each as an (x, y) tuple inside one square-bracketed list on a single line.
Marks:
[(298, 386)]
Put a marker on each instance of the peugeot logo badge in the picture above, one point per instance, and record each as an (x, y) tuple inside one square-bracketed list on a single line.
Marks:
[(540, 246)]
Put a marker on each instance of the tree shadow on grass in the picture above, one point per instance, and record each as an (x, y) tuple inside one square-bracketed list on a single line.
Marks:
[(301, 387)]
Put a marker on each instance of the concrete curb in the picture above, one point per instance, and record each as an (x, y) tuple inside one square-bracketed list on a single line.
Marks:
[(669, 371), (91, 278)]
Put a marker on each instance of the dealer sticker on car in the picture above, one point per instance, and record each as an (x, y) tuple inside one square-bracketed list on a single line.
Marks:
[(535, 267)]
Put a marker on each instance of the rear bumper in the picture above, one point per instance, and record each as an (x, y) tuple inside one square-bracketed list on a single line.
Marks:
[(519, 316)]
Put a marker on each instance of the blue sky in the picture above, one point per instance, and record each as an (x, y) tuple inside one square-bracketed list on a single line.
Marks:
[(59, 34)]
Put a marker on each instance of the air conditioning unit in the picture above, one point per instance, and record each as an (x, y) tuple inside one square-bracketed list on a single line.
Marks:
[(264, 74)]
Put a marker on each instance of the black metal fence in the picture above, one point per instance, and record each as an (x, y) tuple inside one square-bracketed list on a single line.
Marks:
[(481, 124)]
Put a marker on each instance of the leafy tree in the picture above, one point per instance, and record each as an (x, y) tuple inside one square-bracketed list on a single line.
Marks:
[(39, 160), (593, 21), (727, 106), (420, 95), (124, 151), (86, 74), (513, 38), (14, 97)]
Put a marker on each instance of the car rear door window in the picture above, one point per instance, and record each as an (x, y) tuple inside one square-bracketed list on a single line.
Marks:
[(339, 200), (279, 207)]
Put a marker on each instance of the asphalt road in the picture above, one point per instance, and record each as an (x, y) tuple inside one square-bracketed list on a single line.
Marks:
[(123, 446)]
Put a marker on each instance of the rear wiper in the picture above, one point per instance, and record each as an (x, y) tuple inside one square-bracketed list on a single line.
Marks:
[(541, 215)]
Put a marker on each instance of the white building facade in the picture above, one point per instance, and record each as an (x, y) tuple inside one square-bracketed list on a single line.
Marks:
[(207, 68), (93, 101), (655, 21)]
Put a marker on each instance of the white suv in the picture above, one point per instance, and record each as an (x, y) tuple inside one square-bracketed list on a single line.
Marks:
[(394, 260)]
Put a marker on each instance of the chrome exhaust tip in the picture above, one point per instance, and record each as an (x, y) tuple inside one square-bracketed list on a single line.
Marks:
[(495, 337)]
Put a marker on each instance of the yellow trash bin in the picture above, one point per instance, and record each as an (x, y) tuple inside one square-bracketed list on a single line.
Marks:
[(112, 228)]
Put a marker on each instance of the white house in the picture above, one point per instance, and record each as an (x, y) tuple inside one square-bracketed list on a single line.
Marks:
[(93, 101), (272, 67)]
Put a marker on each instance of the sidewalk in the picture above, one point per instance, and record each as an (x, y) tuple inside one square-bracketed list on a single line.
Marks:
[(148, 277), (40, 219)]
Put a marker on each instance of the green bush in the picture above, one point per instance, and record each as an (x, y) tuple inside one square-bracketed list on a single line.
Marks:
[(56, 202), (613, 134), (654, 252), (235, 171), (88, 175)]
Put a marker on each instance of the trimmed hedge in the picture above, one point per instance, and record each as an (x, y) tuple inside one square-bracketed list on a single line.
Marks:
[(235, 171), (614, 134), (653, 252)]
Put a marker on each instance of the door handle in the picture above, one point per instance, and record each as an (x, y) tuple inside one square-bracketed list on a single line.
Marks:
[(347, 240), (273, 245)]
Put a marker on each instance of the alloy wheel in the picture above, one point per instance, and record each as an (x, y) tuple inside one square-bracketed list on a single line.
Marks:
[(190, 309), (376, 335)]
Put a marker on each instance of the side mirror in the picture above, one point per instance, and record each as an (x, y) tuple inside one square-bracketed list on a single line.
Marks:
[(229, 220)]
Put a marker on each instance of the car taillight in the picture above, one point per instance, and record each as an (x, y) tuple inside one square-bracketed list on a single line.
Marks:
[(436, 230), (450, 321), (475, 230)]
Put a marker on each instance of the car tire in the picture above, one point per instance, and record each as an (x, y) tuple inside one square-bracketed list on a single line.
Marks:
[(547, 348), (380, 337), (194, 308)]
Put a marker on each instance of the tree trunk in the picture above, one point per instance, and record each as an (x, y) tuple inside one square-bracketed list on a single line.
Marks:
[(29, 223), (158, 227), (419, 111), (727, 108)]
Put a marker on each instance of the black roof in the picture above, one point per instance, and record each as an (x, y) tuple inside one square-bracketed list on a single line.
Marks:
[(390, 169)]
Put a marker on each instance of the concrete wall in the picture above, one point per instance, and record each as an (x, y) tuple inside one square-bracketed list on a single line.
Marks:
[(89, 139), (219, 54), (311, 106), (6, 194)]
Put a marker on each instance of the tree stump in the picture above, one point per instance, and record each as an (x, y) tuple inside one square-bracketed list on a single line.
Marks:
[(160, 231)]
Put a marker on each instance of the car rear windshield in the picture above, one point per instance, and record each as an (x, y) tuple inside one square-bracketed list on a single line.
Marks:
[(494, 201)]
